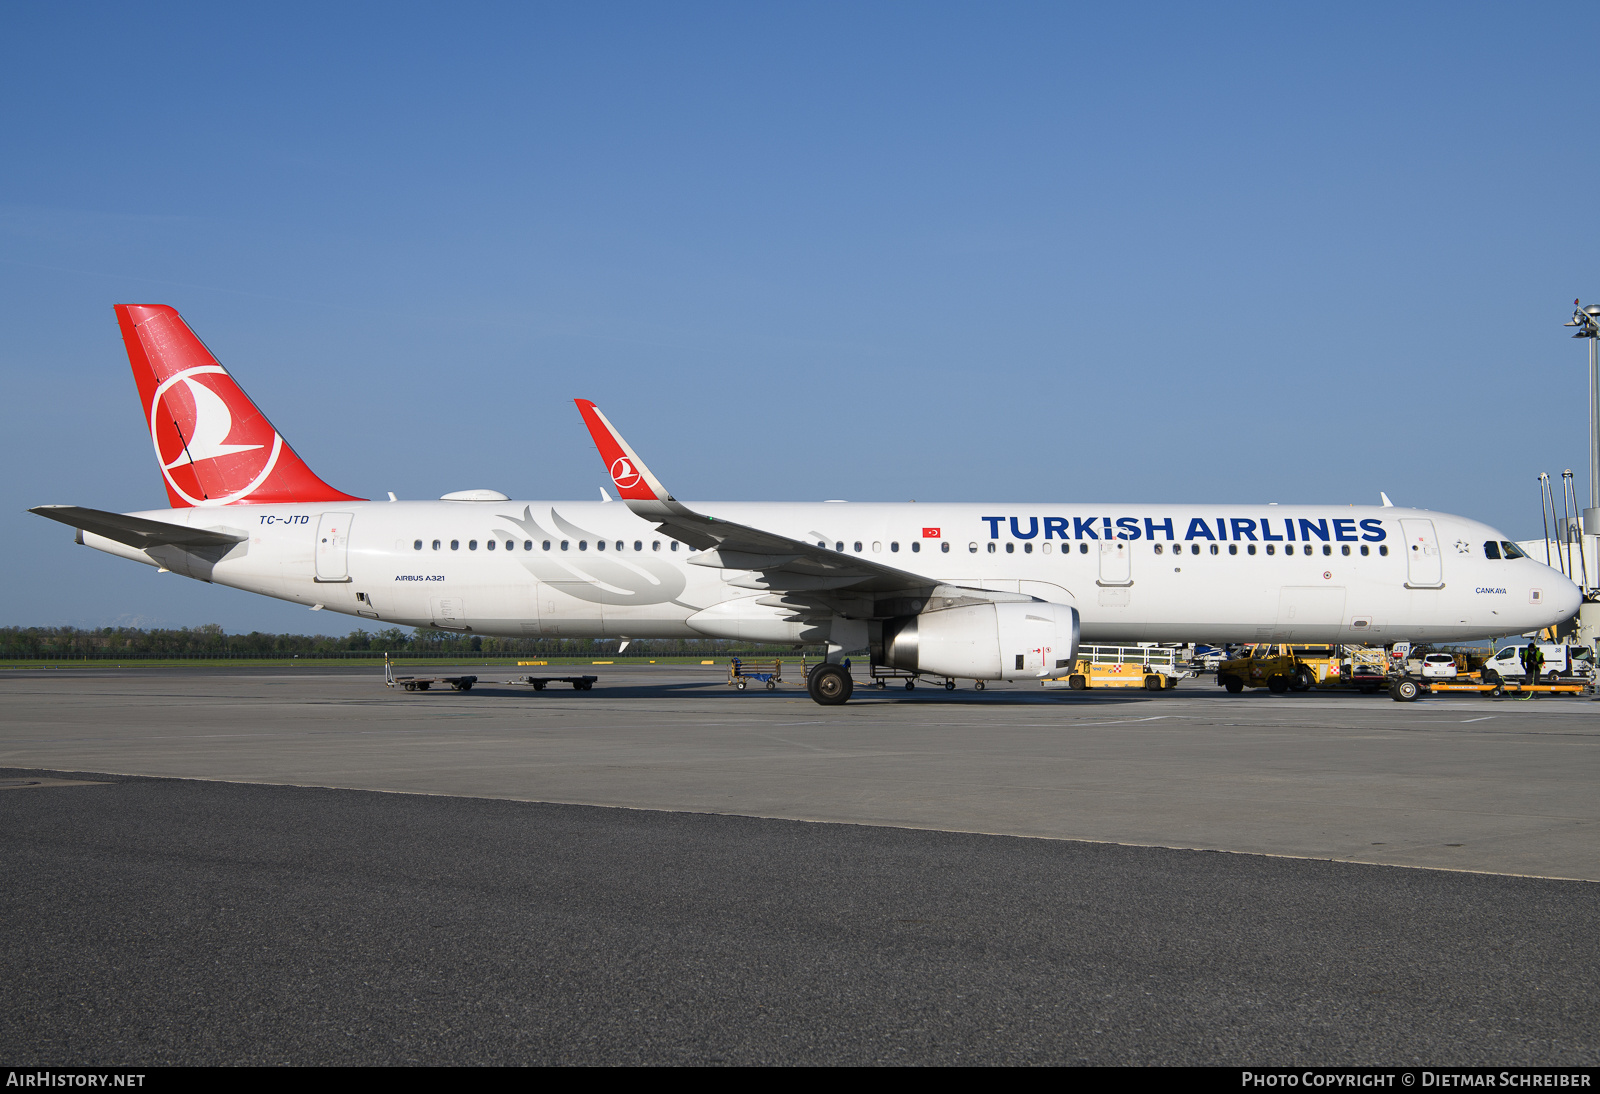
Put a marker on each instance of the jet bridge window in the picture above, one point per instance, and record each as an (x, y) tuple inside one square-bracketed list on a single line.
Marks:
[(1491, 549)]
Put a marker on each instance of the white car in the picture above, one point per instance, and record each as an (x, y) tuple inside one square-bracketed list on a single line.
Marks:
[(1438, 666)]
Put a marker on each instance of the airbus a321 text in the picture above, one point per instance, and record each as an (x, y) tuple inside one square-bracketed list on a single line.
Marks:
[(981, 592)]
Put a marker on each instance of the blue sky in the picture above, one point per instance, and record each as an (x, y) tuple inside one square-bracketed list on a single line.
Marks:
[(1154, 253)]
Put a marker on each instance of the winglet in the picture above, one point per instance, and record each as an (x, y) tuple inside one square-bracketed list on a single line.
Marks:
[(634, 480), (1387, 504)]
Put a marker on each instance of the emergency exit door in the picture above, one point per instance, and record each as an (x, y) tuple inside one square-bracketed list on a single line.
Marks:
[(1115, 565), (333, 547), (1424, 567)]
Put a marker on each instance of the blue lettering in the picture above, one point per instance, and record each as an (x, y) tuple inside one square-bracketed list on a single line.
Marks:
[(1222, 528), (1319, 527), (1374, 529), (1129, 526), (1033, 528), (994, 526), (1108, 526), (1150, 527), (1081, 528), (1244, 528), (1343, 533), (1056, 526), (1266, 531), (1197, 528)]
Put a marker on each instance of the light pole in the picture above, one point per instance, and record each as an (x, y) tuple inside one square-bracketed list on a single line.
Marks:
[(1587, 320)]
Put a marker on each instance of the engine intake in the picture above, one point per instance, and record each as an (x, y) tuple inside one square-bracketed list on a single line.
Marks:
[(985, 641)]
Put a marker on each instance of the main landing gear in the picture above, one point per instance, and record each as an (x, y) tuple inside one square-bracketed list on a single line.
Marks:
[(830, 684)]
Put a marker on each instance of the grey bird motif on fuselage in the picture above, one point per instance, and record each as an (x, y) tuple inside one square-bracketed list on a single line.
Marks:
[(636, 579)]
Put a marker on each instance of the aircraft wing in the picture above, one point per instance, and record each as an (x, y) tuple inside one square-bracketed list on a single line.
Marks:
[(137, 531), (810, 572)]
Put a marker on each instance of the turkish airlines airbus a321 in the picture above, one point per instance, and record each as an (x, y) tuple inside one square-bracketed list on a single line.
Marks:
[(984, 592)]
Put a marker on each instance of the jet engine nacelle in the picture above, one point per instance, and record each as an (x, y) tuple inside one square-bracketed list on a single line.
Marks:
[(985, 641)]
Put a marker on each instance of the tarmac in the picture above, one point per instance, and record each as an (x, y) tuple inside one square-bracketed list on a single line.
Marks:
[(233, 865)]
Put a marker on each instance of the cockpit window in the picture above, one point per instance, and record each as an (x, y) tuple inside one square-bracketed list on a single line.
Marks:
[(1511, 549), (1491, 549)]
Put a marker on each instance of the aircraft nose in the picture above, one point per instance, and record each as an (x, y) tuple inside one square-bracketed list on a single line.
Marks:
[(1564, 600)]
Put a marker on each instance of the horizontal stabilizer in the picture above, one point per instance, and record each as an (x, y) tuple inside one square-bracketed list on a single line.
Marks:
[(137, 531)]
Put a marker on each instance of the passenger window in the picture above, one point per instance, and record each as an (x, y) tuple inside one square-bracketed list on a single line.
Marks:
[(1233, 548), (972, 548), (655, 545), (472, 545), (1327, 548), (1158, 548), (1027, 548), (1383, 549), (674, 545), (489, 545), (1044, 548), (1308, 548), (1011, 548), (638, 545), (1083, 548), (583, 545), (564, 544), (1345, 550), (877, 545), (1194, 549), (620, 545), (546, 545), (1364, 549), (1491, 549), (944, 547), (991, 547), (1270, 549), (455, 545), (1213, 548), (916, 546), (599, 545), (1250, 549), (417, 546), (838, 546), (858, 546), (435, 545), (894, 545)]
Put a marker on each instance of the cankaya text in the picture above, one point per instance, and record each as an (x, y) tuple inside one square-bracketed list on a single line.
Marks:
[(1215, 529)]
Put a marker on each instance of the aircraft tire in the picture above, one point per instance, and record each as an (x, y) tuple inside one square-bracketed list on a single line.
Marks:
[(830, 685), (949, 685), (978, 685)]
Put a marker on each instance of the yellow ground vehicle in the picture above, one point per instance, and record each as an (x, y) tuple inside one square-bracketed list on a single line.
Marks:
[(1281, 668), (1154, 668)]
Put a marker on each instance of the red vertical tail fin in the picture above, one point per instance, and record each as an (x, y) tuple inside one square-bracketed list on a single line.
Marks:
[(212, 444)]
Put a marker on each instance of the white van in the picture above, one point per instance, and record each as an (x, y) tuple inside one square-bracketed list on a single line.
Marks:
[(1559, 661)]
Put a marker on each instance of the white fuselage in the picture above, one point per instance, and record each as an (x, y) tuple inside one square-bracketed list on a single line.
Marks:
[(1134, 573)]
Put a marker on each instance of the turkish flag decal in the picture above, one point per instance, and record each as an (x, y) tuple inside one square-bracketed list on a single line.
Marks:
[(930, 533)]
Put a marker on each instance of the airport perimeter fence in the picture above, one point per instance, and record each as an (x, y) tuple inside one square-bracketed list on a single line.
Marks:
[(211, 644)]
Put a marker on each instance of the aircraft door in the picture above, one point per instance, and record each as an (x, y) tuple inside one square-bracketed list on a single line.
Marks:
[(449, 613), (333, 547), (1115, 563), (1424, 566)]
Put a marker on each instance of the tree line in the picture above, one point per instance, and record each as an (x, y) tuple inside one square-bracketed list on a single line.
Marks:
[(211, 641)]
